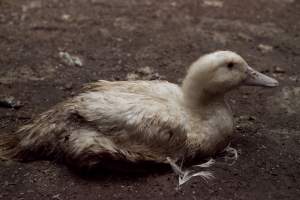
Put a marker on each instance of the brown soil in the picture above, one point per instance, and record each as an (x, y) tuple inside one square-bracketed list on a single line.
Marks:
[(114, 38)]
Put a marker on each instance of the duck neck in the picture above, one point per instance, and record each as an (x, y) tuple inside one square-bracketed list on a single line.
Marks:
[(197, 96)]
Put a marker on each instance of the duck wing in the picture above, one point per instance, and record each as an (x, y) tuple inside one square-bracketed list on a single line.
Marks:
[(144, 117), (140, 120)]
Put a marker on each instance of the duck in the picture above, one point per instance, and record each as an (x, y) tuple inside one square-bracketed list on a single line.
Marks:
[(135, 121)]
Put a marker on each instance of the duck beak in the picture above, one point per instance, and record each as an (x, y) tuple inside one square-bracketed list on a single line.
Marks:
[(256, 78)]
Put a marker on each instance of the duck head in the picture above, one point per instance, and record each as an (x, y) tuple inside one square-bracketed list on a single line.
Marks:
[(215, 74)]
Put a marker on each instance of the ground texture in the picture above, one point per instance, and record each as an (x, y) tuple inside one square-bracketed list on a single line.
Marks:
[(121, 39)]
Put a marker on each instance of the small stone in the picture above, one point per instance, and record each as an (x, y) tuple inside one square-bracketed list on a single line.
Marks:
[(174, 4), (68, 86), (279, 70), (243, 117), (265, 71), (10, 102), (66, 17), (145, 70), (70, 60), (155, 76), (251, 118), (57, 197), (293, 78), (116, 78), (145, 73), (213, 3), (132, 76), (244, 37), (265, 48), (32, 5)]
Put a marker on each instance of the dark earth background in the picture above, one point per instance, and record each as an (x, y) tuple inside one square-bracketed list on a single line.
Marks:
[(148, 39)]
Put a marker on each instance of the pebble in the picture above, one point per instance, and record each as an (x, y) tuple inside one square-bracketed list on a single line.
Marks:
[(293, 78), (145, 70), (279, 70), (174, 4), (144, 73), (251, 118), (66, 17), (244, 37), (57, 197), (265, 48), (248, 118), (213, 3), (68, 86), (10, 102), (132, 76), (32, 5), (69, 59)]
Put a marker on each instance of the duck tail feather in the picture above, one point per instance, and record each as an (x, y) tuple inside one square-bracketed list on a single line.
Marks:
[(8, 143)]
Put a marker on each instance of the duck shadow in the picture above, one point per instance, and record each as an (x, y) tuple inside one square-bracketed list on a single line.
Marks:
[(121, 170)]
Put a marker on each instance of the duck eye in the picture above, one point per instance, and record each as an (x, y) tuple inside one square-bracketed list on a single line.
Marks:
[(230, 65)]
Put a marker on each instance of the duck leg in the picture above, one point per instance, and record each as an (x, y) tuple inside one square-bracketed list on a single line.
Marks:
[(229, 154)]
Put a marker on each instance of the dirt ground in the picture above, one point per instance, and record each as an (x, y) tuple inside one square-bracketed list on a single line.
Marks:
[(115, 38)]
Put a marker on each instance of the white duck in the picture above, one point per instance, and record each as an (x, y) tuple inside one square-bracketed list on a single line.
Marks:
[(140, 120)]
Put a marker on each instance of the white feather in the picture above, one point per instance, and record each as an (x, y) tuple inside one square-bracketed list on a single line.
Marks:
[(207, 164), (205, 175)]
